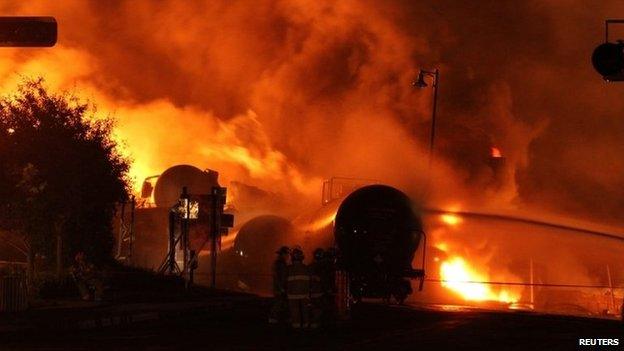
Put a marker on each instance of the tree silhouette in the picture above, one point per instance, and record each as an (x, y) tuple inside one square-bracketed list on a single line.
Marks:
[(61, 174)]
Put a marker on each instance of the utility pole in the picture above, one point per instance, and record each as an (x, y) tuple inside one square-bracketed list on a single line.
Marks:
[(436, 80), (215, 228), (532, 284), (611, 289), (171, 265)]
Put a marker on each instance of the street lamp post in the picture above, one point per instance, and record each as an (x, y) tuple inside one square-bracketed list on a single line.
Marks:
[(421, 83)]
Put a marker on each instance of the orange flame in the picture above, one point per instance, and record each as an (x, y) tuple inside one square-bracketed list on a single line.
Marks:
[(495, 152), (457, 275), (450, 219), (465, 278)]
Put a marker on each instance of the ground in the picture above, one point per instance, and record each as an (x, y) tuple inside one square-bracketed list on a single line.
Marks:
[(239, 323)]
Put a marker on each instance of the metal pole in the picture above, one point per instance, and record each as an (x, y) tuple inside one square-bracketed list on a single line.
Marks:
[(433, 114), (607, 22), (59, 253), (214, 231), (611, 288), (185, 234), (213, 260), (532, 287), (133, 204), (171, 242), (120, 238), (422, 279)]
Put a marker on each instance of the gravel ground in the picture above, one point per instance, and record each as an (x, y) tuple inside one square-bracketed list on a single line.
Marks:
[(240, 324)]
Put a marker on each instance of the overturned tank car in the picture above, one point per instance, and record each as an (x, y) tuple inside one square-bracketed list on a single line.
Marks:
[(376, 232)]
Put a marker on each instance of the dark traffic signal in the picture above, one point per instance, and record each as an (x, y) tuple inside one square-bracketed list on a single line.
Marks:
[(608, 60)]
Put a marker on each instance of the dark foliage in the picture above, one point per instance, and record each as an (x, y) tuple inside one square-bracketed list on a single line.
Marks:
[(60, 172)]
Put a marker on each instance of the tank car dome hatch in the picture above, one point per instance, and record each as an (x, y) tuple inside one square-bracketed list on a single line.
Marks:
[(261, 236), (169, 185), (376, 227)]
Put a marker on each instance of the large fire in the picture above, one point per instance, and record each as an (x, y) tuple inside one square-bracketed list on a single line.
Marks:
[(465, 278), (280, 97), (462, 278)]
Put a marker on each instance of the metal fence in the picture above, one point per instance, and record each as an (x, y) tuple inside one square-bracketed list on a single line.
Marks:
[(13, 288)]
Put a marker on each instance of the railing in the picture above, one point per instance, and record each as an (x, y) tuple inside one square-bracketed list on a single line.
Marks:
[(13, 292)]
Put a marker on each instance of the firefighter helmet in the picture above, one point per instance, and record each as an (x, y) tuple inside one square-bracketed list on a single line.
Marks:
[(319, 254), (297, 254), (283, 250)]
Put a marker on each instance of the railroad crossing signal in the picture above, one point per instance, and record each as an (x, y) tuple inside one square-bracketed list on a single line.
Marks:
[(27, 31), (608, 58)]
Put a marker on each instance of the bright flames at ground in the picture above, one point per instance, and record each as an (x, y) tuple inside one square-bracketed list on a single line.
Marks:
[(463, 277), (457, 275)]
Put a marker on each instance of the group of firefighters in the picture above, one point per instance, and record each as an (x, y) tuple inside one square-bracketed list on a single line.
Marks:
[(304, 294)]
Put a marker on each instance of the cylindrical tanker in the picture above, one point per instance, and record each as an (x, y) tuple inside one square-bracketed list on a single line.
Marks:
[(257, 239), (375, 230), (151, 222), (247, 264), (170, 183)]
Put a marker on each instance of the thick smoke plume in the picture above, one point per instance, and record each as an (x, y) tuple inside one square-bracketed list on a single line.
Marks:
[(281, 94)]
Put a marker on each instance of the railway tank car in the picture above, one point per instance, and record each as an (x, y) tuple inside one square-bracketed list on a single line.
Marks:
[(169, 184), (151, 220), (375, 230), (247, 264), (260, 233), (377, 233)]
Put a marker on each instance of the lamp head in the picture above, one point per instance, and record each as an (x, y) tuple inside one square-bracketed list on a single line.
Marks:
[(420, 83)]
